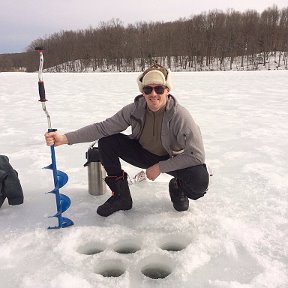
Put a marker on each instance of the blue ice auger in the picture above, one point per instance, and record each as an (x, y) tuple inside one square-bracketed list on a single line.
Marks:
[(63, 202)]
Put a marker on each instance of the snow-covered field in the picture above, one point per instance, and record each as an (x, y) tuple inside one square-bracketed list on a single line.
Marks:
[(235, 236)]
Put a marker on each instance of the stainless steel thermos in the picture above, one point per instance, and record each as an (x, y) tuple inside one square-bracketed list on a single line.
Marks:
[(96, 172)]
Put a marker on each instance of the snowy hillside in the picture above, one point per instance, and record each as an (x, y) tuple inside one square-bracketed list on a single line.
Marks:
[(273, 61), (234, 237)]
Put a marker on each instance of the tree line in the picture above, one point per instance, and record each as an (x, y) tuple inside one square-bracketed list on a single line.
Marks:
[(197, 40)]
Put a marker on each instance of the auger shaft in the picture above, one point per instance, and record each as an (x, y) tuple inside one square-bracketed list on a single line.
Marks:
[(60, 178)]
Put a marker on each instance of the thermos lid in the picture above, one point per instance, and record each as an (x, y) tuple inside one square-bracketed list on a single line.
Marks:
[(92, 155)]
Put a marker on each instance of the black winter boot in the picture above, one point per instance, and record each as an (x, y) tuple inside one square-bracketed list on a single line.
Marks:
[(2, 198), (121, 197), (179, 199)]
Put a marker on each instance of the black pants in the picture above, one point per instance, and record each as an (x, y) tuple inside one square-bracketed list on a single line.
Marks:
[(193, 180)]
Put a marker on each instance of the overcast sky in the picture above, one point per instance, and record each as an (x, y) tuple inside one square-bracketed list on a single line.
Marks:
[(22, 21)]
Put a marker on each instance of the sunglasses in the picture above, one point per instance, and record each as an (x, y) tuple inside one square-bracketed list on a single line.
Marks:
[(158, 89)]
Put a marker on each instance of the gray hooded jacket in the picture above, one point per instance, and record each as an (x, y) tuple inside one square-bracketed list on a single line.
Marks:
[(180, 135)]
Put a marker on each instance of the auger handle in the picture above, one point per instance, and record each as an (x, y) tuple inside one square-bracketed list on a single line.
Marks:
[(41, 87), (42, 91)]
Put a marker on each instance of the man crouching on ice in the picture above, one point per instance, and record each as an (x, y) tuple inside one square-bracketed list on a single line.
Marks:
[(164, 139)]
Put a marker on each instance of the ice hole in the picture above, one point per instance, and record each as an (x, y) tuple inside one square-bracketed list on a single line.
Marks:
[(173, 247), (112, 272), (174, 243), (110, 268), (127, 246), (156, 266), (91, 248), (155, 271)]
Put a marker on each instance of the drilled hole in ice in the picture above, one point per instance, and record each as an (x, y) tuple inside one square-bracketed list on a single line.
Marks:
[(155, 271), (91, 248), (156, 266), (110, 268), (173, 246), (112, 272), (174, 243), (128, 246), (127, 250)]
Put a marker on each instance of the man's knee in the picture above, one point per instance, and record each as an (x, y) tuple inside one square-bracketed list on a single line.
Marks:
[(105, 141), (194, 195), (195, 183)]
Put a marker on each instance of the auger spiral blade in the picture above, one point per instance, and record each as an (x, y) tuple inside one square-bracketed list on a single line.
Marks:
[(62, 177), (63, 223), (63, 202)]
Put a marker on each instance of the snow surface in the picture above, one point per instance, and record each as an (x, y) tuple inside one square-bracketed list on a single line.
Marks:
[(234, 237)]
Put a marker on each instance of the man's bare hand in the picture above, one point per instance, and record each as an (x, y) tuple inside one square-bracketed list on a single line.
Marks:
[(153, 172), (54, 138)]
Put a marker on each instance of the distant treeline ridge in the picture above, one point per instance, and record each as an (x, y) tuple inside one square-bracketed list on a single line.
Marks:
[(199, 40)]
